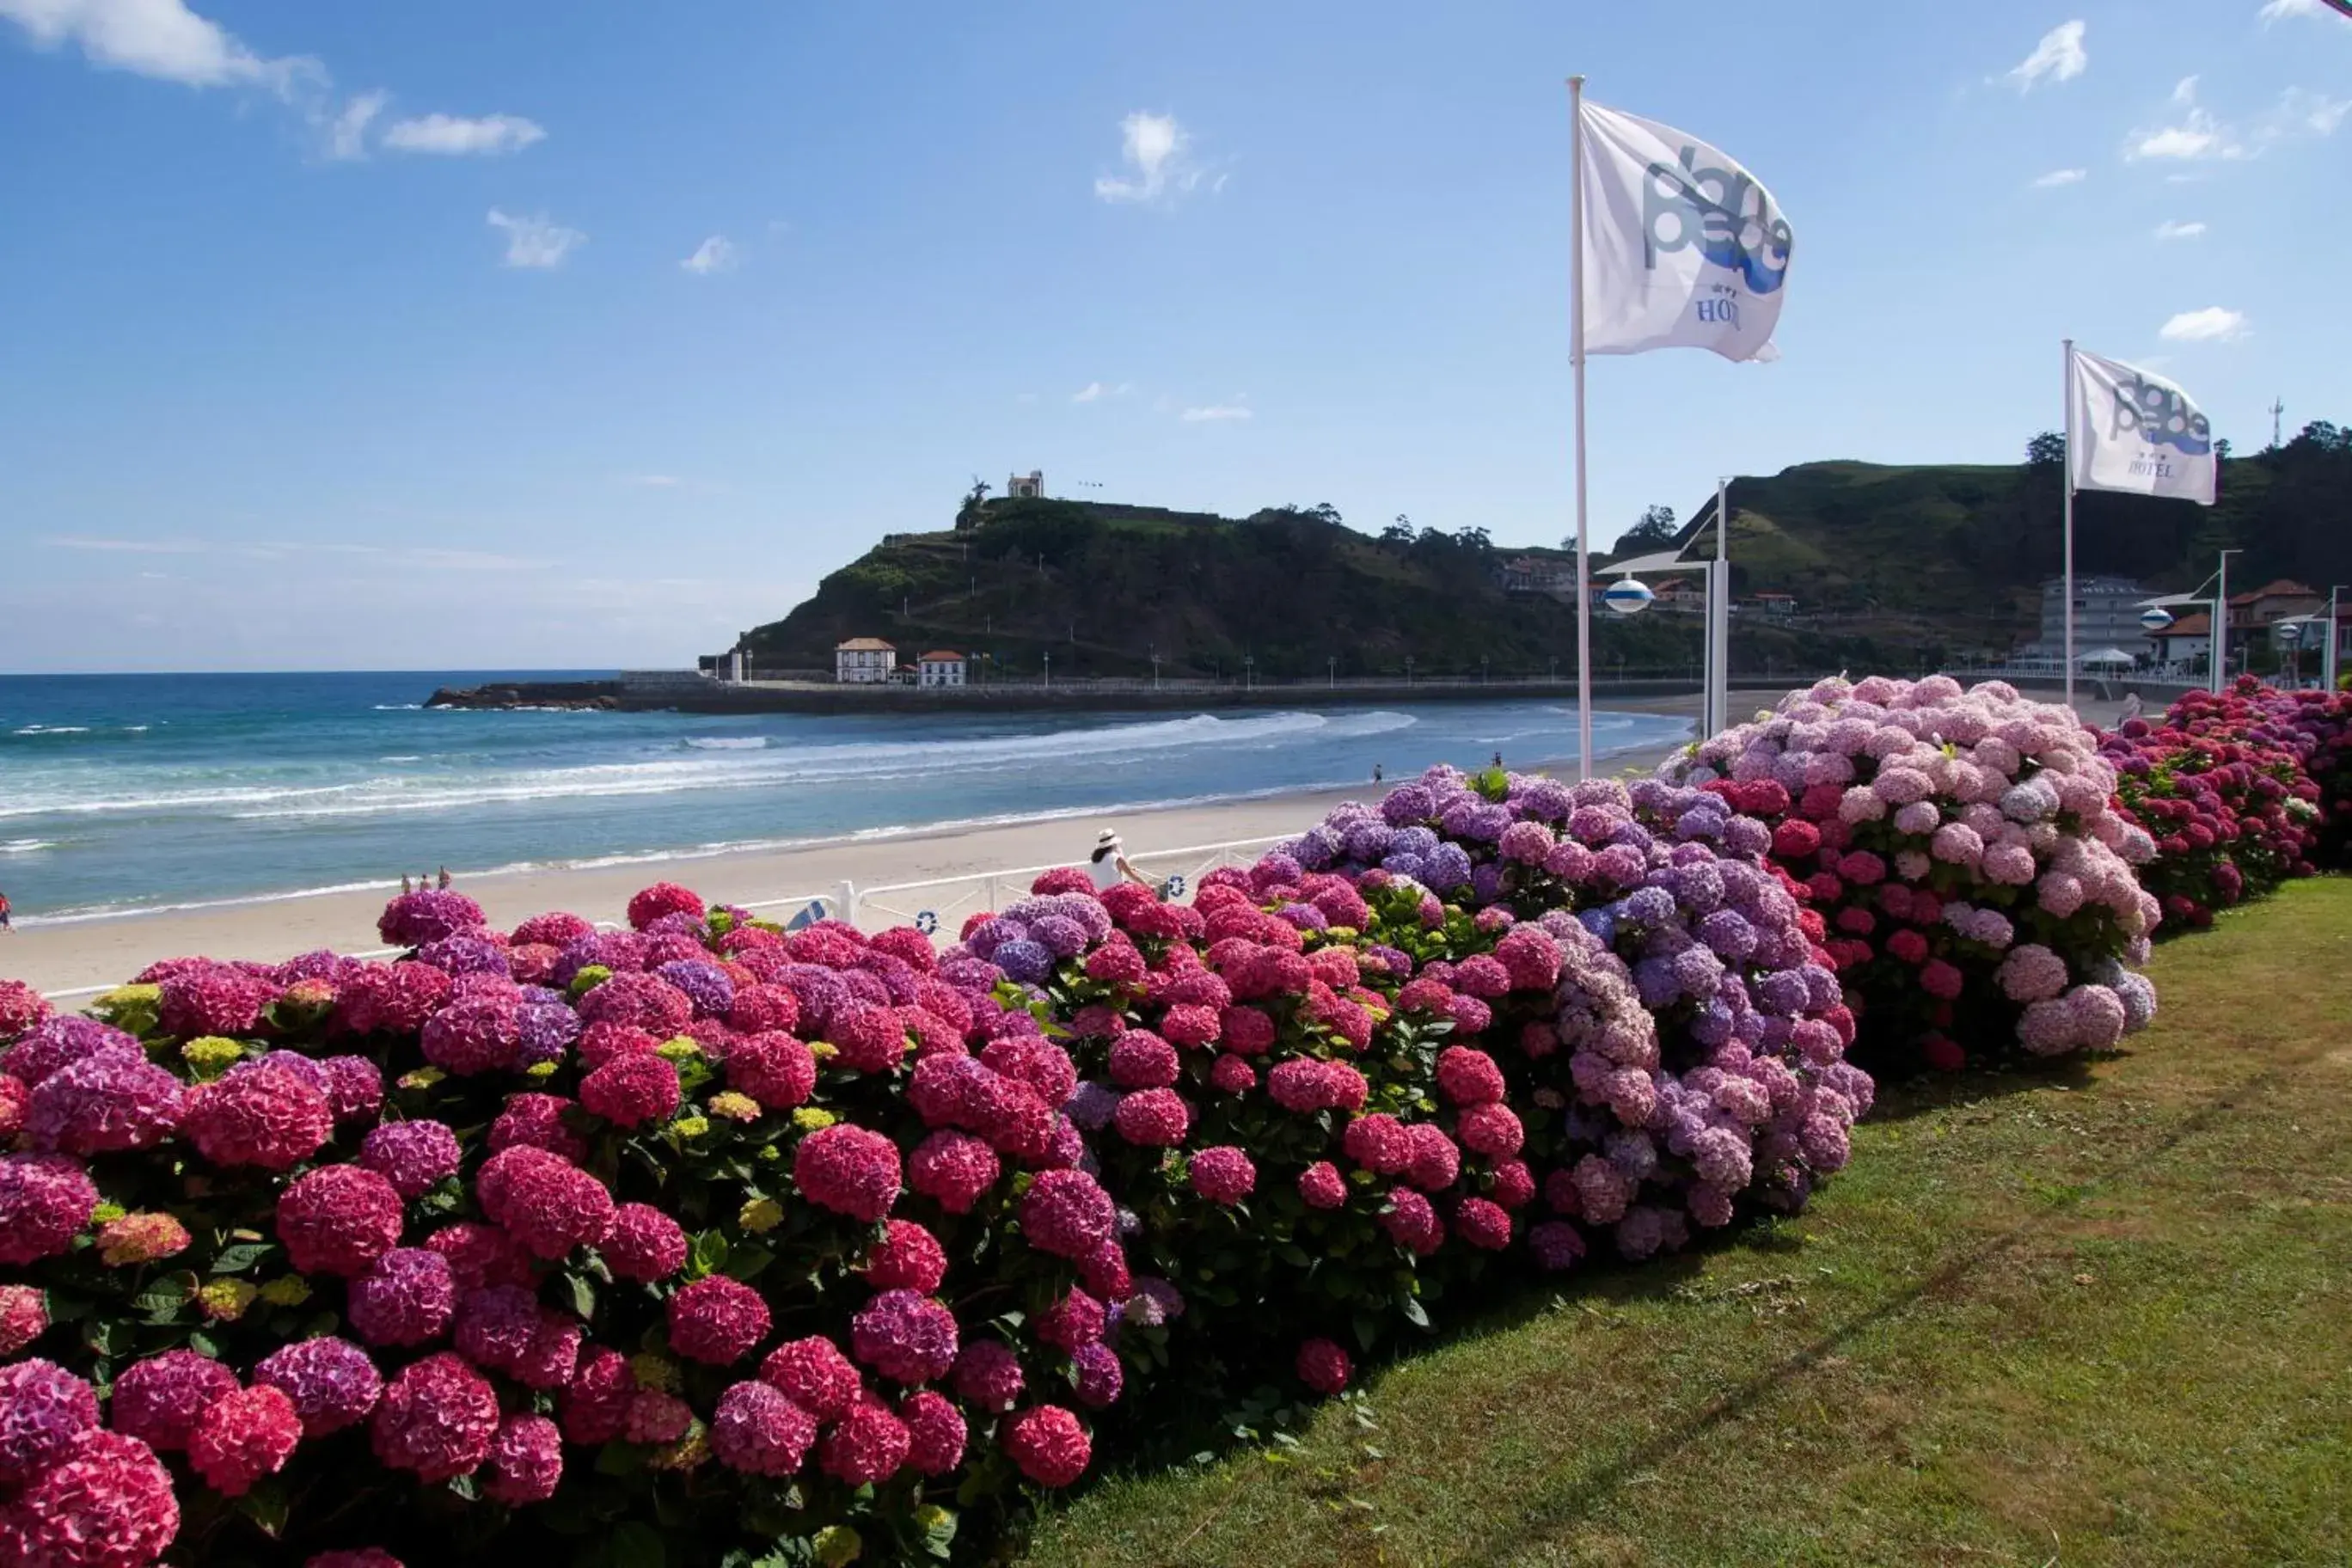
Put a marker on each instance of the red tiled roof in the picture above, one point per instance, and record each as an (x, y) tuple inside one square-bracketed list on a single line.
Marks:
[(2196, 626)]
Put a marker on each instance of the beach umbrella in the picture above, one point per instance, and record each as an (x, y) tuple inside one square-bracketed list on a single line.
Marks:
[(2105, 656)]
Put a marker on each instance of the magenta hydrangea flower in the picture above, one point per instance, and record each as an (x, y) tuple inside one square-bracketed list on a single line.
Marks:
[(867, 1446), (908, 1257), (108, 1505), (243, 1436), (772, 1068), (412, 919), (333, 1382), (106, 1101), (814, 1373), (1142, 1059), (651, 904), (261, 1116), (525, 1461), (1412, 1223), (1482, 1223), (44, 1201), (1323, 1366), (407, 1298), (1224, 1174), (477, 1033), (1467, 1075), (24, 1317), (644, 1244), (22, 1009), (414, 1156), (717, 1320), (594, 1408), (1321, 1186), (44, 1410), (935, 1433), (1096, 1378), (437, 1418), (757, 1429), (548, 1205), (989, 1374), (338, 1219), (1067, 1214), (1154, 1118), (905, 1337), (1049, 1444), (161, 1399), (631, 1091), (849, 1170), (214, 999), (952, 1169)]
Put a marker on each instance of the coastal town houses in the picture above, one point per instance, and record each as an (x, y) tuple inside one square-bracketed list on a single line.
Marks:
[(864, 661), (2106, 614), (940, 667), (2185, 642)]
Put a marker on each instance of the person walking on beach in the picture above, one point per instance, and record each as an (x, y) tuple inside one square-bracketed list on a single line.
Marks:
[(4, 913), (1376, 773), (2131, 705), (1108, 865)]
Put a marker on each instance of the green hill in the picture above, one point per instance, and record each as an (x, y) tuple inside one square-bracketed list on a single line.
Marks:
[(1889, 564)]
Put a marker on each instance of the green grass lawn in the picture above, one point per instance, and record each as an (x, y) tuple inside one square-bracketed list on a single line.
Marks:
[(2098, 1316)]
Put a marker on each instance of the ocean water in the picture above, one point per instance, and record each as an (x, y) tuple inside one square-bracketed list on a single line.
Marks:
[(120, 792)]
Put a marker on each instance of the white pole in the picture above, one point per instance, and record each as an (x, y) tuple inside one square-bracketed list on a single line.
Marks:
[(1718, 614), (1576, 371), (2218, 640), (2069, 523), (2328, 659)]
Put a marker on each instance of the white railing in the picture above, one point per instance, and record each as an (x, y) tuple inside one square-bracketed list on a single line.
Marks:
[(939, 905), (936, 906)]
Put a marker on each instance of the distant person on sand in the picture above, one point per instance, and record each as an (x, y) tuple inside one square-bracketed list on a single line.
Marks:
[(445, 879), (1108, 865), (1376, 773), (2131, 705), (1498, 759), (4, 913), (404, 888)]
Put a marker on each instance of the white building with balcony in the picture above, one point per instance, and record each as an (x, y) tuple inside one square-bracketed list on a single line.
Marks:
[(940, 667), (864, 661)]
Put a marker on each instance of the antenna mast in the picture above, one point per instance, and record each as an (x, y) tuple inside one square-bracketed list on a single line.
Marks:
[(2278, 411)]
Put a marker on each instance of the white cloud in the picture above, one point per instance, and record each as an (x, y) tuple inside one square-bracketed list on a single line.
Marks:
[(159, 38), (2171, 229), (2212, 325), (347, 132), (717, 254), (2198, 135), (1158, 153), (2057, 177), (456, 136), (1096, 391), (2303, 111), (2184, 91), (126, 546), (1218, 412), (2059, 56), (2278, 10), (536, 240)]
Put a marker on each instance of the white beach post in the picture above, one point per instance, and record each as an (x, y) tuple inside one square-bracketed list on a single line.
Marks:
[(1716, 710), (1576, 372)]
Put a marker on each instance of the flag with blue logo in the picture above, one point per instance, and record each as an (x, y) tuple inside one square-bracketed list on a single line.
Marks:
[(1683, 247), (2135, 431)]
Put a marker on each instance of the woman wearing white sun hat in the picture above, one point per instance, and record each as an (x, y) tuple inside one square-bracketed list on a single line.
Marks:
[(1108, 865)]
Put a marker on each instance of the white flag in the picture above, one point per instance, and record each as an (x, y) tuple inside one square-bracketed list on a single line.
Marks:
[(2133, 430), (1683, 247)]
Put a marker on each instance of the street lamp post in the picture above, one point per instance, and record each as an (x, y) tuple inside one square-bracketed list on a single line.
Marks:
[(1249, 672), (2328, 659), (1331, 670), (1049, 669), (1408, 669), (2217, 663), (1481, 669), (1155, 667)]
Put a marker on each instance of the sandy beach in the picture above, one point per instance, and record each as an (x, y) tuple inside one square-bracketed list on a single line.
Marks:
[(72, 956)]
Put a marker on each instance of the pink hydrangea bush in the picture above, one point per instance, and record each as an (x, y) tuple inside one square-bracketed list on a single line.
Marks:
[(366, 1231), (1966, 852)]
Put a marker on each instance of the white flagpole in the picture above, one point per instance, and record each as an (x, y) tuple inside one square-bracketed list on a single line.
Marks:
[(2217, 661), (1576, 368), (2069, 521), (1718, 613)]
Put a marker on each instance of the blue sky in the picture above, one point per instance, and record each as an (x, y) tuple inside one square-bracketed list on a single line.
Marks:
[(366, 336)]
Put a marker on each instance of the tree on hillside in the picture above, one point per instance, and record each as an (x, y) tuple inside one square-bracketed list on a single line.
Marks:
[(968, 514), (1655, 530), (1399, 534), (2047, 450)]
